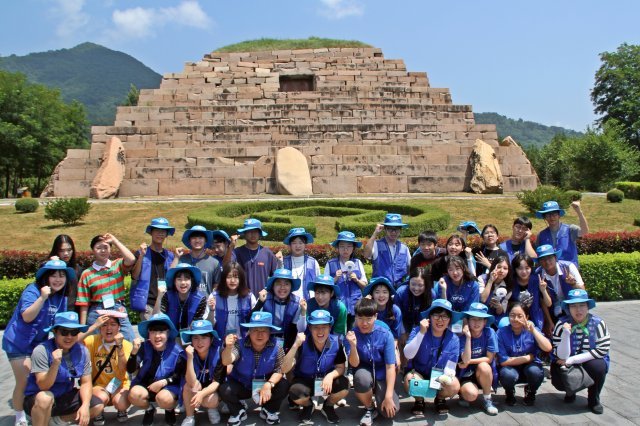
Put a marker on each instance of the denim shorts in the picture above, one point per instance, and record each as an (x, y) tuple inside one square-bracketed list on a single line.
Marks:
[(15, 356)]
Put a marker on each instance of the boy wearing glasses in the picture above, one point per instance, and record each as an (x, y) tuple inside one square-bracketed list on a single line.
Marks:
[(55, 366), (389, 256)]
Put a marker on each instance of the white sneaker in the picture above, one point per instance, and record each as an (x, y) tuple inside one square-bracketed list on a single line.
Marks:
[(369, 415), (342, 403), (270, 418), (238, 418), (189, 421), (21, 422), (214, 416)]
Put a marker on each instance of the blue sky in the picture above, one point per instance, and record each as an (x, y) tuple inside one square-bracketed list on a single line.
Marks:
[(524, 59)]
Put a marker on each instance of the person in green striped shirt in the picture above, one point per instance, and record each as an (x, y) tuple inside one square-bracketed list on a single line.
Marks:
[(101, 286)]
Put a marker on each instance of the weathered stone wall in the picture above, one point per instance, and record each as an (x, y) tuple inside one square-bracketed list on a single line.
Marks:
[(370, 126)]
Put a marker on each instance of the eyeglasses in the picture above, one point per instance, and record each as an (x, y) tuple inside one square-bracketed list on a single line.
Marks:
[(439, 317), (68, 332)]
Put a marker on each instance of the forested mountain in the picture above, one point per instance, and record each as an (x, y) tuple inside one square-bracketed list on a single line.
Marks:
[(526, 133), (97, 77)]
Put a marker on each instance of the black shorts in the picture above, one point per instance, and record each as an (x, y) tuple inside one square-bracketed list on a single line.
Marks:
[(304, 387), (470, 379), (68, 403)]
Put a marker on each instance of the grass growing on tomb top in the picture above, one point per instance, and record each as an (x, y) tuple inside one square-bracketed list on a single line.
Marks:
[(291, 43)]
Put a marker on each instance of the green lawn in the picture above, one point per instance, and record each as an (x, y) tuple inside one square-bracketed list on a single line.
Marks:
[(128, 220)]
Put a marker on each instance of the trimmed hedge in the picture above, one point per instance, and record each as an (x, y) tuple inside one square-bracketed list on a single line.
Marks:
[(27, 205), (615, 196), (630, 189), (612, 276), (532, 199), (358, 216)]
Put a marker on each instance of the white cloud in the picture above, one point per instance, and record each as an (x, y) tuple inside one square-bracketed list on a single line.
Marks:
[(70, 17), (338, 9), (141, 22)]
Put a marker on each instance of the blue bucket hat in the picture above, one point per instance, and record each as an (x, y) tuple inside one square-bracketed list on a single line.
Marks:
[(219, 233), (143, 327), (468, 226), (379, 281), (480, 310), (284, 274), (504, 322), (250, 224), (160, 223), (548, 207), (197, 228), (320, 317), (56, 265), (196, 275), (199, 327), (394, 220), (66, 320), (327, 281), (347, 237), (438, 303), (547, 250), (577, 295), (298, 232), (260, 319)]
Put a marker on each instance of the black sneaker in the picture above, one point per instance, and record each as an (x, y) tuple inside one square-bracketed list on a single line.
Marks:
[(170, 417), (304, 415), (596, 408), (329, 413), (511, 398), (98, 420), (529, 396), (147, 420)]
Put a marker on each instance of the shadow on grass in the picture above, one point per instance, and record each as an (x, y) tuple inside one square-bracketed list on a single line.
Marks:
[(62, 225)]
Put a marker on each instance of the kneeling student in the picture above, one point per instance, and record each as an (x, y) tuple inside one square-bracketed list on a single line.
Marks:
[(372, 355), (257, 371), (431, 346), (319, 368), (204, 371), (479, 345), (109, 352), (160, 369), (55, 365)]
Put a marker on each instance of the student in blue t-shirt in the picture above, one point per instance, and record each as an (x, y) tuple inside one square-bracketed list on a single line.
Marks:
[(478, 347), (519, 344), (373, 358), (520, 242), (459, 286), (382, 292)]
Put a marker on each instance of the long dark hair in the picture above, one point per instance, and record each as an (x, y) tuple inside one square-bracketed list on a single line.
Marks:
[(243, 288), (57, 245), (389, 306), (455, 237), (44, 280), (508, 279), (425, 275), (515, 263), (460, 262)]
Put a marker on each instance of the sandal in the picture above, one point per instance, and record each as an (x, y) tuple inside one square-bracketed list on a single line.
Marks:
[(418, 407), (441, 406)]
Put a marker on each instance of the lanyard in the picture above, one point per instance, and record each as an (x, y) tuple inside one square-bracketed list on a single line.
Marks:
[(319, 358), (202, 368), (393, 259), (182, 305), (253, 258), (439, 352), (518, 346), (52, 317), (161, 364)]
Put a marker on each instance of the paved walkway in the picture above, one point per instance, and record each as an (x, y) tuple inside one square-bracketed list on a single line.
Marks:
[(619, 397)]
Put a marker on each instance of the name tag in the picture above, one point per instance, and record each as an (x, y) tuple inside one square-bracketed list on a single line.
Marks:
[(108, 301), (162, 285), (113, 385), (317, 387), (256, 385), (433, 382)]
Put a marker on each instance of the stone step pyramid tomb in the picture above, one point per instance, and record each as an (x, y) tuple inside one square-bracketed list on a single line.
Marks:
[(313, 121)]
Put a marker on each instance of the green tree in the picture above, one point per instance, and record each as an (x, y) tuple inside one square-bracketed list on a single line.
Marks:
[(132, 96), (36, 129), (616, 93)]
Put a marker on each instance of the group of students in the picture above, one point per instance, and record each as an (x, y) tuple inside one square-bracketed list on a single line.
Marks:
[(223, 324)]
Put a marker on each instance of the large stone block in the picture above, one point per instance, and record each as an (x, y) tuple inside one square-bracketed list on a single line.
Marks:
[(111, 172), (244, 186), (437, 184), (358, 170), (382, 184), (170, 187), (138, 187), (520, 183), (335, 185), (264, 167), (292, 172), (71, 188)]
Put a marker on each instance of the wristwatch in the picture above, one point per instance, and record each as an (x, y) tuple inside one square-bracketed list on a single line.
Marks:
[(273, 385)]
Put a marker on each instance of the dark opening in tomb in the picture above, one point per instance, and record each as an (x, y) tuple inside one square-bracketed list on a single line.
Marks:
[(297, 83)]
